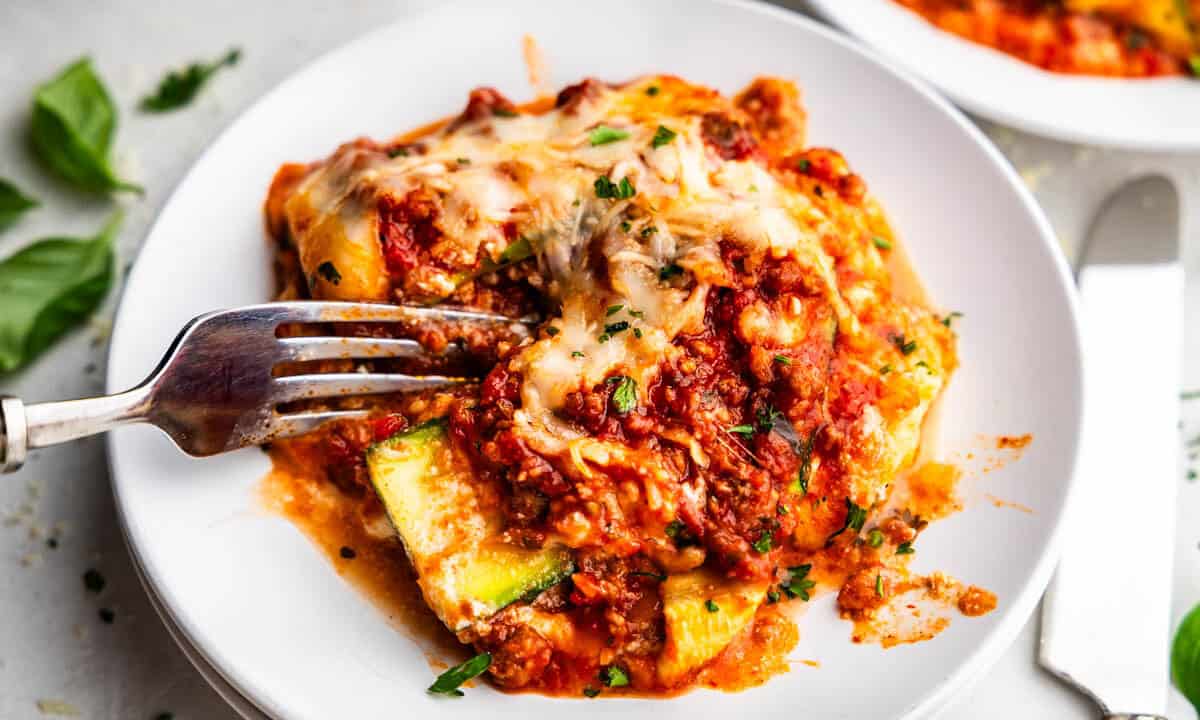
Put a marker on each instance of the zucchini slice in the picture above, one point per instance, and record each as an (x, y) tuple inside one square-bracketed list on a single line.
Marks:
[(704, 612), (450, 529)]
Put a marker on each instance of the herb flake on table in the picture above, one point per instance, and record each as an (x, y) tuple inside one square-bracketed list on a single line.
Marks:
[(93, 580), (13, 203), (179, 87), (72, 129), (448, 682), (50, 287)]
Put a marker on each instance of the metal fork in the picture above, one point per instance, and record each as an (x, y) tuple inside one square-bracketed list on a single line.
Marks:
[(215, 391)]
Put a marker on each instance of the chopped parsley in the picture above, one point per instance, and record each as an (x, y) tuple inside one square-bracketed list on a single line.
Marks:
[(617, 327), (603, 135), (328, 271), (783, 360), (675, 529), (653, 576), (637, 333), (806, 452), (764, 543), (609, 190), (885, 369), (625, 226), (447, 683), (614, 676), (179, 87), (765, 419), (624, 398), (613, 310), (649, 230), (662, 136), (637, 314), (772, 596), (881, 242), (855, 517), (798, 583), (652, 90), (875, 538), (879, 584), (743, 430), (905, 549), (604, 337), (591, 691), (577, 354), (666, 272), (504, 112), (463, 161), (950, 318), (803, 165), (711, 606), (551, 331), (398, 152), (1194, 65), (905, 346)]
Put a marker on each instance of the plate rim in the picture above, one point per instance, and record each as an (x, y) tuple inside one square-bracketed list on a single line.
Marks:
[(977, 661), (825, 10)]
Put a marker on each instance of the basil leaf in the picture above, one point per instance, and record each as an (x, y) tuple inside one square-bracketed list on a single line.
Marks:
[(50, 287), (1185, 658), (12, 203), (179, 87), (72, 128), (447, 683)]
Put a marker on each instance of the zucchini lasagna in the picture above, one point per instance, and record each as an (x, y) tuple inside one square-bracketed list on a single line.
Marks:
[(702, 423), (1123, 38)]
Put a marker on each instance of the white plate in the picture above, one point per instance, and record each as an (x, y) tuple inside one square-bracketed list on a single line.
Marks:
[(1149, 114), (265, 608)]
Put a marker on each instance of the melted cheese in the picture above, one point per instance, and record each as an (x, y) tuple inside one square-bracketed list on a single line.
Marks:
[(537, 172)]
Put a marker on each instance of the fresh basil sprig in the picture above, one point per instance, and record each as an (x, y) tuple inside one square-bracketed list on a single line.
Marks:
[(1185, 658), (72, 129), (12, 203), (50, 287), (447, 683), (179, 87)]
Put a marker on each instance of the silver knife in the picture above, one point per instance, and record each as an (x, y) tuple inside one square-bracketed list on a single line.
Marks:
[(1106, 616)]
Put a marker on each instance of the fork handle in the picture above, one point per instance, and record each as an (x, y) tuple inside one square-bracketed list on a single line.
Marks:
[(23, 427)]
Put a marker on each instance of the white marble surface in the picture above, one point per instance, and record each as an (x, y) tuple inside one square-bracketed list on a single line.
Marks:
[(52, 644)]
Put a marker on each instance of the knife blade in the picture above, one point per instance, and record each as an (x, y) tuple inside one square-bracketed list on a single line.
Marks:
[(1106, 616)]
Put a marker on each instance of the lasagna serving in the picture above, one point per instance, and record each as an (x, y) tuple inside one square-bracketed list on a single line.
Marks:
[(696, 427), (1124, 38)]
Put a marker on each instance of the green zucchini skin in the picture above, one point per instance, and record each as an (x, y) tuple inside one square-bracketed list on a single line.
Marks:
[(466, 572)]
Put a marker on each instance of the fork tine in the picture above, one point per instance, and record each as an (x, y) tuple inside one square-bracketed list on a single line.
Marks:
[(299, 387), (322, 311), (291, 425), (327, 348)]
